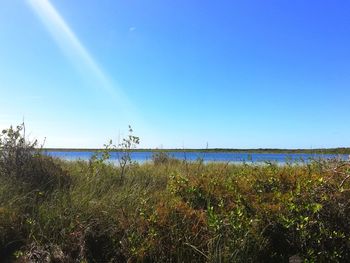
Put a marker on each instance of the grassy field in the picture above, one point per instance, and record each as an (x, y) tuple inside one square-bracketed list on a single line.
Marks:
[(169, 210)]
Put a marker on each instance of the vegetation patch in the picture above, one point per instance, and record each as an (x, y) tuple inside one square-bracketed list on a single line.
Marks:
[(168, 210)]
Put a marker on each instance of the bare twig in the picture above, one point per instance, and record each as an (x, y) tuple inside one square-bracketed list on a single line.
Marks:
[(197, 250), (344, 180)]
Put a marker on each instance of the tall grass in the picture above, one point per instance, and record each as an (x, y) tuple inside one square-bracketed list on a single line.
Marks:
[(170, 211)]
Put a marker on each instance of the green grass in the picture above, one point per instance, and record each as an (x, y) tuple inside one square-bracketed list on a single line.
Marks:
[(178, 212)]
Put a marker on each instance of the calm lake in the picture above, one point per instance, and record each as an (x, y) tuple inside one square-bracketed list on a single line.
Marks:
[(235, 157)]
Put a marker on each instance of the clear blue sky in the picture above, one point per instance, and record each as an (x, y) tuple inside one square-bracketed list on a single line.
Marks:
[(241, 74)]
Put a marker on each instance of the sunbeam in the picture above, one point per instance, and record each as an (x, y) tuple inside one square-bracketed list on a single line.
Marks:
[(75, 50)]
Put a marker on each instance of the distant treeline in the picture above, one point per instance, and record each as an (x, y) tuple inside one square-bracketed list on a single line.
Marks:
[(341, 150)]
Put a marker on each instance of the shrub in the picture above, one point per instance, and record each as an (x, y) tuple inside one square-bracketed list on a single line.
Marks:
[(25, 164), (163, 158)]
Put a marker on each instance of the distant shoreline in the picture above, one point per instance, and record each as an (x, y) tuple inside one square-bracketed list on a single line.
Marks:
[(341, 150)]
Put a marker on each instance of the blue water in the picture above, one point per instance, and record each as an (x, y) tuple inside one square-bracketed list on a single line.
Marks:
[(235, 157)]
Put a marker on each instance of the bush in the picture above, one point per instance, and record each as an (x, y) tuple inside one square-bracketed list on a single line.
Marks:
[(162, 158), (26, 166)]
